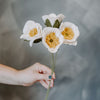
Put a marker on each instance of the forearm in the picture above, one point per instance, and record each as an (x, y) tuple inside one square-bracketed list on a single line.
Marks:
[(26, 77), (8, 75)]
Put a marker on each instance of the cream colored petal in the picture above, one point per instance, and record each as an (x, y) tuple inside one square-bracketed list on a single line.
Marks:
[(71, 43), (44, 17), (28, 26), (48, 30), (52, 15), (52, 50), (73, 27), (39, 28), (52, 20), (31, 42), (60, 17), (34, 38), (25, 37)]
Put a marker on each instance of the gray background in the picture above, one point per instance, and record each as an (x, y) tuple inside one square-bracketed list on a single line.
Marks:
[(77, 68)]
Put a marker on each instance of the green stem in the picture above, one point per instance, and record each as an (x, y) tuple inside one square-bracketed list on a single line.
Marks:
[(53, 67)]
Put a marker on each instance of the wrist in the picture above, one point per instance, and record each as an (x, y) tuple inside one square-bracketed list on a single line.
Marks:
[(18, 75), (21, 76), (15, 77)]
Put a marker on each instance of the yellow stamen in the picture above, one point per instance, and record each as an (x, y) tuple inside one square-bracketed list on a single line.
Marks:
[(33, 32), (52, 40), (68, 33)]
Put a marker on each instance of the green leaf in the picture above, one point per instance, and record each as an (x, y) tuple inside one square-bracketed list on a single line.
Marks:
[(57, 24), (38, 40), (26, 40), (47, 23)]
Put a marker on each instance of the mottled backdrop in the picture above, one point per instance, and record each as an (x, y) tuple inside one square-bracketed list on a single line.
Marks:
[(77, 69)]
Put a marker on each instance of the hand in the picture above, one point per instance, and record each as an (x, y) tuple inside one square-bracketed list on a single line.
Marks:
[(36, 73)]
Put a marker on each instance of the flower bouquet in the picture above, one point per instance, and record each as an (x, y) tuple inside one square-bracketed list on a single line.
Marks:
[(52, 36)]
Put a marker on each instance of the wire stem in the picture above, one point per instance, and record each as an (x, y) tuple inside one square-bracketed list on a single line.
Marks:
[(53, 67)]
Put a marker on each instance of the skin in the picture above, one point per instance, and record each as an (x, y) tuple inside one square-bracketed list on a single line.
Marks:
[(26, 77)]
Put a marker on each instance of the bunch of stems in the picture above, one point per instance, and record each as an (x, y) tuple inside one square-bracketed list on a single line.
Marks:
[(53, 62)]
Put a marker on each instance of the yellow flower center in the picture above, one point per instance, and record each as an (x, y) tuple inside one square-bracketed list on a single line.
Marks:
[(68, 33), (33, 32), (52, 40)]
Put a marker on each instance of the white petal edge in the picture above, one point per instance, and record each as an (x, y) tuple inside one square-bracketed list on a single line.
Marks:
[(60, 17), (28, 26), (31, 41), (73, 27), (46, 31), (71, 43), (25, 36), (53, 17)]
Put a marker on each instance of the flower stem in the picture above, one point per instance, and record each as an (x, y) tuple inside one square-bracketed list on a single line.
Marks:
[(53, 67)]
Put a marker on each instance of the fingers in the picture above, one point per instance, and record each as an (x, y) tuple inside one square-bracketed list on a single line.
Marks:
[(46, 83), (51, 83), (43, 83), (42, 69), (42, 77)]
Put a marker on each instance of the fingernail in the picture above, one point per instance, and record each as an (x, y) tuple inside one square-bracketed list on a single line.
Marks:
[(50, 77)]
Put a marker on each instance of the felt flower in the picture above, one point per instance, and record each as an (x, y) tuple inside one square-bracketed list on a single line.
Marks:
[(52, 39), (31, 31), (70, 33), (53, 20)]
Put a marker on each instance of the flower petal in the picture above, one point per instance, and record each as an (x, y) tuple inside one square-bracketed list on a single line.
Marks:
[(60, 17), (71, 43), (31, 41), (31, 31), (45, 17), (28, 26), (25, 36), (52, 35), (53, 17), (70, 32)]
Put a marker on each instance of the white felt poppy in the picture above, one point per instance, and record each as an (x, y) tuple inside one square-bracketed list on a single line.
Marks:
[(31, 31), (53, 17), (70, 33), (52, 39)]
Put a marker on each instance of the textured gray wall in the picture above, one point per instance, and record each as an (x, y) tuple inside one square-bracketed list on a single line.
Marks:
[(77, 69)]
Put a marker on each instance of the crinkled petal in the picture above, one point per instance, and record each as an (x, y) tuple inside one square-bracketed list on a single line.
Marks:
[(73, 27), (49, 30), (28, 26), (71, 43), (53, 17), (25, 37), (44, 17), (60, 17), (52, 20), (31, 41), (52, 50)]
